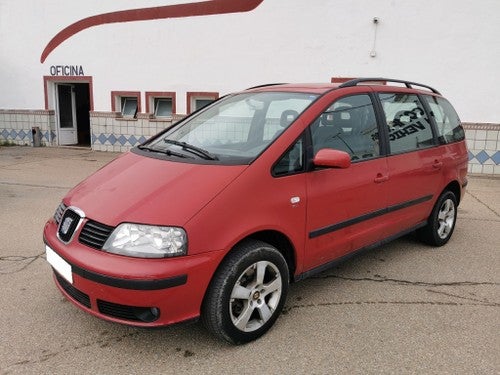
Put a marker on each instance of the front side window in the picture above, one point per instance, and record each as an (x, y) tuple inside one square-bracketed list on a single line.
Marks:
[(408, 126), (449, 128), (349, 125), (236, 129)]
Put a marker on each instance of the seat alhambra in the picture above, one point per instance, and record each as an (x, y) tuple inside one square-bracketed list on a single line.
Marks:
[(214, 217)]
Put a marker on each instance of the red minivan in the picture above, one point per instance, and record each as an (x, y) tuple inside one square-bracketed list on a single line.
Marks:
[(217, 215)]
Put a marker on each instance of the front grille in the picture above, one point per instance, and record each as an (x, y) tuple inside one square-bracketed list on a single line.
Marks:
[(59, 213), (76, 294), (68, 225), (133, 313), (95, 234)]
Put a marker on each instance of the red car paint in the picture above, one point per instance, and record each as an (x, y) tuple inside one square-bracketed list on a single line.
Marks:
[(142, 183), (319, 215)]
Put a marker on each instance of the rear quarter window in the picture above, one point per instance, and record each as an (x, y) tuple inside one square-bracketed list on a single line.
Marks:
[(448, 123)]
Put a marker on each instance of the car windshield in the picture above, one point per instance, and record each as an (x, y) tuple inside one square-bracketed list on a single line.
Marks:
[(236, 129)]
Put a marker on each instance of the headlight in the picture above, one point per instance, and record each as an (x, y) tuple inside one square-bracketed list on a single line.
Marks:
[(147, 241)]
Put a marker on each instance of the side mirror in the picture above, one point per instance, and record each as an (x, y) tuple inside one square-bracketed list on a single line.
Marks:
[(330, 158)]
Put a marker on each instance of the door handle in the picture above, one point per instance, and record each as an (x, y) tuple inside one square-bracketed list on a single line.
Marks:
[(437, 164), (381, 178)]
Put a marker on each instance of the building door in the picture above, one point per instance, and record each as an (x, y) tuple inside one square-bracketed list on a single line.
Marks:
[(66, 114), (73, 118)]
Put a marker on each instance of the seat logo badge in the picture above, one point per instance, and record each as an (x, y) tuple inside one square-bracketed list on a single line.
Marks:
[(66, 224)]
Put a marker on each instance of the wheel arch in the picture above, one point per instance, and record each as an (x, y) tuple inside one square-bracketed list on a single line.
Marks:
[(272, 237), (280, 242), (454, 187)]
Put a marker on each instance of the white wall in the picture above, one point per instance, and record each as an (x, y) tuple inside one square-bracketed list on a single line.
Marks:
[(450, 44)]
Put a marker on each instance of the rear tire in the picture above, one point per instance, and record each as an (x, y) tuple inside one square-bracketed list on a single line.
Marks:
[(247, 293), (441, 222)]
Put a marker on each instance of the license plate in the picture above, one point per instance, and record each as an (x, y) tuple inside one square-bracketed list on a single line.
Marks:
[(62, 267)]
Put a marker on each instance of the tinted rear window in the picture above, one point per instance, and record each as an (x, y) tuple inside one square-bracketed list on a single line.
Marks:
[(408, 126)]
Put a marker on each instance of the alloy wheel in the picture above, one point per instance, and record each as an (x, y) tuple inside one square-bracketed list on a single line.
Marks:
[(446, 218), (255, 296)]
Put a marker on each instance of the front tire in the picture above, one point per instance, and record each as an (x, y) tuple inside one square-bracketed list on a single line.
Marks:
[(247, 293), (441, 222)]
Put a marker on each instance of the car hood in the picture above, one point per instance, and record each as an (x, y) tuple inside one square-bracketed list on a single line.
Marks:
[(139, 189)]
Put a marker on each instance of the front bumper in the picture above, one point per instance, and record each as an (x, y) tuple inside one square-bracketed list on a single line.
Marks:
[(133, 291)]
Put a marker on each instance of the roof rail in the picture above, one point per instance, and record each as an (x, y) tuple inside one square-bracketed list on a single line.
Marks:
[(265, 85), (354, 82)]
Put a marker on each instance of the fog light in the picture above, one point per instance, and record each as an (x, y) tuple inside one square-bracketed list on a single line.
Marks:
[(147, 314)]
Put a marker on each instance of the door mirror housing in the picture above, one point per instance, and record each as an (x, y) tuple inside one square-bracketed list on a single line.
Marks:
[(330, 158)]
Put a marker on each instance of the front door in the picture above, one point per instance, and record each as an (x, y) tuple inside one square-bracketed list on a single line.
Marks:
[(345, 206), (66, 114)]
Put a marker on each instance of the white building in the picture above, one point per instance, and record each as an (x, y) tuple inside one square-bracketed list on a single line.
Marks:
[(107, 74)]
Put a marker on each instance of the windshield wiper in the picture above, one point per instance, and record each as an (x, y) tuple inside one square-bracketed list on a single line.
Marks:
[(166, 152), (193, 149)]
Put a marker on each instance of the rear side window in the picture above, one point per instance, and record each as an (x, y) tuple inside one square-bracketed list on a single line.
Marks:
[(449, 128), (408, 126)]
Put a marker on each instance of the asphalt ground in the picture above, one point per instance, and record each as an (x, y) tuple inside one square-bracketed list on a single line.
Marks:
[(404, 308)]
